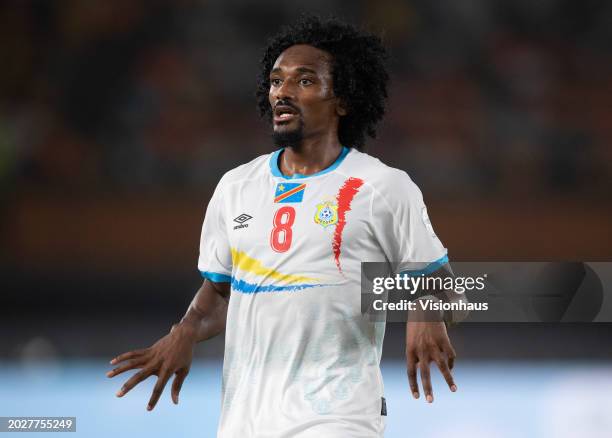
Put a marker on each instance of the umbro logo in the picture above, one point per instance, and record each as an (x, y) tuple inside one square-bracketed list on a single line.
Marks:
[(241, 220)]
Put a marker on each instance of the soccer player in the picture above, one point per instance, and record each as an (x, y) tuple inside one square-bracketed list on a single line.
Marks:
[(280, 253)]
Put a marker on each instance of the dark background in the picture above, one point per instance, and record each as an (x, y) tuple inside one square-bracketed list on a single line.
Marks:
[(118, 118)]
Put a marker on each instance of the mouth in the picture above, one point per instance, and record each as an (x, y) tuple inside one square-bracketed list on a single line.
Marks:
[(284, 114)]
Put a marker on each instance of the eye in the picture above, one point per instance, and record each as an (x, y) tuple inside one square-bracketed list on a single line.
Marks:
[(305, 81), (275, 82)]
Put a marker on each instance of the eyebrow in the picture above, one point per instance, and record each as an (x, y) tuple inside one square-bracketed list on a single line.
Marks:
[(299, 70)]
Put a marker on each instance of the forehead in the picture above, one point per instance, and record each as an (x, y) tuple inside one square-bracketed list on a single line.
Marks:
[(303, 56)]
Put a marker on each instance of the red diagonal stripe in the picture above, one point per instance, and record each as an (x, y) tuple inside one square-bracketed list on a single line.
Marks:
[(344, 197)]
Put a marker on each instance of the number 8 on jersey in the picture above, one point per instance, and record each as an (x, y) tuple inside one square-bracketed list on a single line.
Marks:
[(281, 235)]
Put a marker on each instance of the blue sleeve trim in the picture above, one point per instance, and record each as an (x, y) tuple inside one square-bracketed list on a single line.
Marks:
[(215, 277), (429, 269)]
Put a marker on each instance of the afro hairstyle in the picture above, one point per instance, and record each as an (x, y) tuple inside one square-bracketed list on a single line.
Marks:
[(358, 72)]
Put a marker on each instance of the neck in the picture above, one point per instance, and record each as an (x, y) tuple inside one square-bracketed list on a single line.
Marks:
[(312, 156)]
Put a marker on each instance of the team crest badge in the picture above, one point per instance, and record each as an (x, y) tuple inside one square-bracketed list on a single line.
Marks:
[(327, 214)]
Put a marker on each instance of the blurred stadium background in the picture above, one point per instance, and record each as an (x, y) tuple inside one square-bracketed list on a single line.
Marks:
[(117, 118)]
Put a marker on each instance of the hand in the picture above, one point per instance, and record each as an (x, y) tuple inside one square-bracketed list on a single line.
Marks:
[(427, 342), (171, 355)]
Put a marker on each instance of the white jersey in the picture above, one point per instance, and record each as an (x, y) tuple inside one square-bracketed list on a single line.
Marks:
[(301, 360)]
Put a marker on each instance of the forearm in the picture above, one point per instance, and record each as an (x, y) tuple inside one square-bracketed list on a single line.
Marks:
[(206, 316), (448, 296)]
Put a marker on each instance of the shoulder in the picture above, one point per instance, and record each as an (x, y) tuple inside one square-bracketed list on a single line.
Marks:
[(391, 184), (256, 168)]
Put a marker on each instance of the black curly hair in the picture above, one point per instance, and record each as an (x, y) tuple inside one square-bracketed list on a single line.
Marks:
[(358, 72)]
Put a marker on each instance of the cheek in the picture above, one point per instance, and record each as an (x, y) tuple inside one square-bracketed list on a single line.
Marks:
[(317, 103), (319, 109), (315, 109)]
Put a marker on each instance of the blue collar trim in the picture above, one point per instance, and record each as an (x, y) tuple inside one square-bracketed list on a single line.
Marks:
[(277, 172)]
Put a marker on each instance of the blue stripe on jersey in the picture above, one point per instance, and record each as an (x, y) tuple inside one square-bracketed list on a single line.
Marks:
[(251, 288), (276, 170), (429, 269), (216, 277)]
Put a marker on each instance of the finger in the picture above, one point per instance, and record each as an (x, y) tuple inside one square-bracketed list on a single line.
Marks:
[(450, 354), (177, 384), (412, 374), (129, 365), (128, 355), (426, 380), (159, 388), (444, 369), (134, 380)]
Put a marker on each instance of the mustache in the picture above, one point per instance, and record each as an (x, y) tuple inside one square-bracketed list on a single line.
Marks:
[(286, 103)]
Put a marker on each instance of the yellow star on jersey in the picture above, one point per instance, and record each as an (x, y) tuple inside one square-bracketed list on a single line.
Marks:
[(281, 188)]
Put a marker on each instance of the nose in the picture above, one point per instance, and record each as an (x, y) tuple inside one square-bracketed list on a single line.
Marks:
[(283, 91)]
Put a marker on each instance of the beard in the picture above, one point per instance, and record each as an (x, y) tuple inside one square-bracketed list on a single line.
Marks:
[(292, 139)]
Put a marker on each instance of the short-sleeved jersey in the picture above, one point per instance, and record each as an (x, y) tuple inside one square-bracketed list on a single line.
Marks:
[(300, 358)]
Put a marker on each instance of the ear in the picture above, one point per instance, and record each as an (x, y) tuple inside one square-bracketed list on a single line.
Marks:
[(341, 108)]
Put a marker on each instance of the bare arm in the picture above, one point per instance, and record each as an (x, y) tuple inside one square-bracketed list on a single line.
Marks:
[(207, 313), (172, 354), (427, 341)]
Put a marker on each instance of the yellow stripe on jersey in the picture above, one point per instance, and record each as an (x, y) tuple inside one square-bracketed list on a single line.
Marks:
[(244, 262)]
